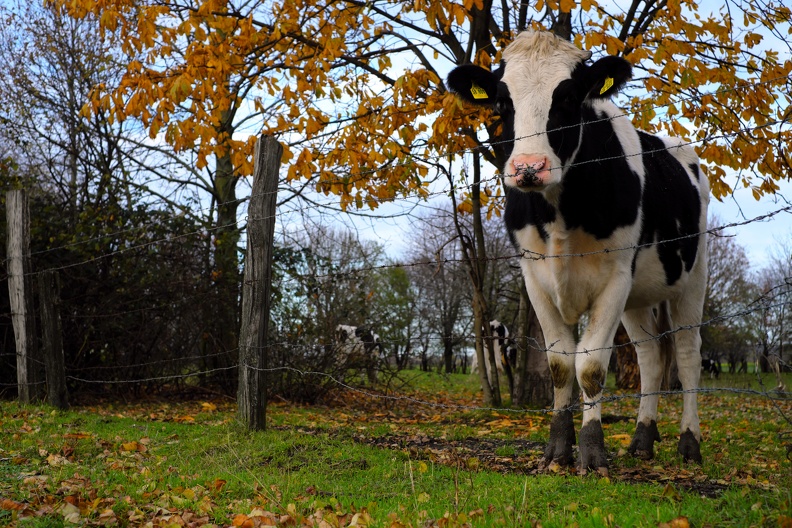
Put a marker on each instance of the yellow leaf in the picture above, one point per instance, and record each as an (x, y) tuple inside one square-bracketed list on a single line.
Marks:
[(129, 446)]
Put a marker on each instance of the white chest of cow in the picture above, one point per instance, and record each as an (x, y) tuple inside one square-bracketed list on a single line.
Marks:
[(609, 221)]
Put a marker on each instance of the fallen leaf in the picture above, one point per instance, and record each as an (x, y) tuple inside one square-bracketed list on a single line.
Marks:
[(679, 522), (70, 512), (8, 504), (129, 446), (78, 436), (57, 460), (670, 492), (240, 520), (217, 485)]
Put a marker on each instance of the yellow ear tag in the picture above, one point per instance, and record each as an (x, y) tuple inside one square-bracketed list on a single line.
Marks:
[(478, 92), (607, 85)]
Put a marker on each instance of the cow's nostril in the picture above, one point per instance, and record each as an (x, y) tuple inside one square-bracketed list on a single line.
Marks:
[(522, 169)]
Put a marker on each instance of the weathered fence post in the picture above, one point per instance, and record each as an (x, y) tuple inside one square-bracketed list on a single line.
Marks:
[(52, 342), (29, 377), (253, 342)]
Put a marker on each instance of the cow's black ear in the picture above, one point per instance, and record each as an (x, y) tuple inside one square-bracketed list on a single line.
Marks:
[(607, 76), (474, 84)]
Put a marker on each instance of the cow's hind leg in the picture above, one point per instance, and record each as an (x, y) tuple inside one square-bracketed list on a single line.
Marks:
[(686, 316), (641, 326)]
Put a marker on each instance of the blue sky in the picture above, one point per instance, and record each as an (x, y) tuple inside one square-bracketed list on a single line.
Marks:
[(760, 239)]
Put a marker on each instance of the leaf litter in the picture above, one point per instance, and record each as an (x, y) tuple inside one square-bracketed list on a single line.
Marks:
[(499, 442)]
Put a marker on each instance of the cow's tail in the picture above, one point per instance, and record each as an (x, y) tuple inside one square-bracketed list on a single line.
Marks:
[(667, 347)]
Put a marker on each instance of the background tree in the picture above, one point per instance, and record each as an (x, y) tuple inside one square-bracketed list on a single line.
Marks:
[(94, 219), (325, 277), (329, 79), (730, 290), (444, 307), (773, 315)]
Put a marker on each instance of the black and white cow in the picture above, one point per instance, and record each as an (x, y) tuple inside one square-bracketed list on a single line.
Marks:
[(500, 336), (358, 347), (711, 366), (608, 219)]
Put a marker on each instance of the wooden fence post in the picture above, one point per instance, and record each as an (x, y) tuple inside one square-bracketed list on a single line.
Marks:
[(29, 378), (253, 342), (52, 342)]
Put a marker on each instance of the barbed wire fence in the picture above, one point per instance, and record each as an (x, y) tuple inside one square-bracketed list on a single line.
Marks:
[(777, 297)]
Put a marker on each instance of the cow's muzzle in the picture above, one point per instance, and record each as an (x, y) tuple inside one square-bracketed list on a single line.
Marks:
[(530, 171)]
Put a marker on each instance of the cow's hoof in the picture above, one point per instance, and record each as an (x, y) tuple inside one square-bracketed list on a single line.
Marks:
[(689, 447), (642, 445), (562, 438), (592, 447)]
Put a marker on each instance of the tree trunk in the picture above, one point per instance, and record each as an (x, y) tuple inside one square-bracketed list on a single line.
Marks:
[(52, 342), (225, 274), (448, 353), (477, 258), (628, 376), (533, 386)]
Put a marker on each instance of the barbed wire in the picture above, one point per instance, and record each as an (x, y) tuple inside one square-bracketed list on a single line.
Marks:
[(524, 254), (444, 192), (760, 304), (527, 254), (606, 396)]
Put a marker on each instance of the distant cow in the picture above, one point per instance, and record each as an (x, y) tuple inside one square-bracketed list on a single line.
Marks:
[(711, 366), (357, 347), (608, 220), (500, 336)]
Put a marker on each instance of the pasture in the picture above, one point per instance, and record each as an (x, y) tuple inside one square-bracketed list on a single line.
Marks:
[(425, 456)]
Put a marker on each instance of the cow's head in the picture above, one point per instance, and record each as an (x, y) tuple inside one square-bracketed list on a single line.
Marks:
[(540, 91)]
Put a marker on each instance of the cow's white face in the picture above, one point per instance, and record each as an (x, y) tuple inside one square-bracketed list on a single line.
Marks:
[(536, 64), (540, 94)]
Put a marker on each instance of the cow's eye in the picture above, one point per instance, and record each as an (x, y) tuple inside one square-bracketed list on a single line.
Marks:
[(503, 106), (565, 97)]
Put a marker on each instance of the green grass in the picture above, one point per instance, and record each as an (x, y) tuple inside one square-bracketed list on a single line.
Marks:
[(155, 461)]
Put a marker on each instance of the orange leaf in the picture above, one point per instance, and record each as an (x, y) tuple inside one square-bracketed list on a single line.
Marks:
[(8, 504), (79, 436), (240, 519), (217, 485)]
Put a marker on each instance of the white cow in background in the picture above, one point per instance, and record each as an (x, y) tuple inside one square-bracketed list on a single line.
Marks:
[(357, 347), (500, 336)]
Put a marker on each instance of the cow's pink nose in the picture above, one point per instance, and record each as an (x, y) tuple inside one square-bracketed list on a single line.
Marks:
[(530, 169)]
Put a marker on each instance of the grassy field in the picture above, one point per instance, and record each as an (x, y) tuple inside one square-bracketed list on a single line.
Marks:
[(359, 460)]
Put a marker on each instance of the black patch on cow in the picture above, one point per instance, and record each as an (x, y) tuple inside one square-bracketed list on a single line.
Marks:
[(564, 120), (592, 446), (689, 447), (461, 82), (592, 379), (600, 192), (671, 210), (523, 209), (562, 438), (642, 445), (462, 79)]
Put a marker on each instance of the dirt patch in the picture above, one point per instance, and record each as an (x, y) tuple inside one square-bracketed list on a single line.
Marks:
[(524, 457)]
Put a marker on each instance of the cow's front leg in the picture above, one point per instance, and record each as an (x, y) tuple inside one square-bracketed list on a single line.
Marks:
[(562, 429), (591, 365), (560, 343)]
